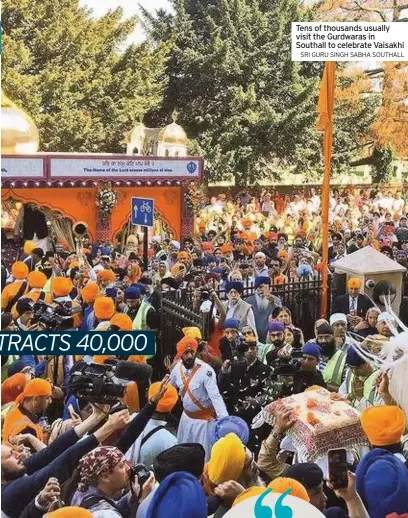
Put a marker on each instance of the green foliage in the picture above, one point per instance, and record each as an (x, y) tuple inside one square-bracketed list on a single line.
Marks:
[(247, 107), (73, 74), (381, 165)]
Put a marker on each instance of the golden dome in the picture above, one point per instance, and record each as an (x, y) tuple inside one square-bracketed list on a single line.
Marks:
[(19, 134), (173, 134)]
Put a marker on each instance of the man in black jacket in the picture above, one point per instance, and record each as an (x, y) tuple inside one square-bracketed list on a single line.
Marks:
[(354, 303)]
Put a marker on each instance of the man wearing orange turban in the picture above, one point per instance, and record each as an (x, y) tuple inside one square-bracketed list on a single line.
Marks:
[(12, 387), (155, 437), (196, 382), (36, 282), (12, 292), (105, 278), (383, 425), (354, 303), (104, 309), (61, 288), (31, 403)]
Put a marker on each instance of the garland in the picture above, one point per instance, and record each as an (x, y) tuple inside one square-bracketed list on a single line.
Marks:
[(106, 200), (194, 197)]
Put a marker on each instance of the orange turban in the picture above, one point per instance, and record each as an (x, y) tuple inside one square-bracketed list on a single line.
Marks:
[(90, 292), (104, 308), (383, 425), (29, 247), (283, 254), (106, 275), (102, 358), (248, 493), (168, 401), (70, 512), (137, 358), (12, 387), (74, 264), (246, 223), (207, 246), (36, 387), (248, 249), (61, 286), (226, 249), (227, 459), (37, 279), (183, 255), (122, 321), (192, 332), (282, 484), (354, 282), (19, 270), (186, 343)]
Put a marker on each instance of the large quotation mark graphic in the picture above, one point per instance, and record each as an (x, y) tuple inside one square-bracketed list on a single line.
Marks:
[(281, 511)]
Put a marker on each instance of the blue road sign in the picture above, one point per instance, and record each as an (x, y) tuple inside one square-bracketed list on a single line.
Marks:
[(142, 212)]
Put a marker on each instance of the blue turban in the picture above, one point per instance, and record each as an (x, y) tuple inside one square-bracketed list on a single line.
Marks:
[(312, 349), (132, 293), (105, 250), (231, 323), (230, 424), (139, 286), (15, 367), (111, 292), (179, 494), (304, 270), (276, 326), (353, 359), (382, 483), (234, 285), (262, 280)]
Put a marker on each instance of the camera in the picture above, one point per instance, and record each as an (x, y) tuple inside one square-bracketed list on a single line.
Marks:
[(205, 292), (96, 383), (106, 383), (55, 317), (139, 471)]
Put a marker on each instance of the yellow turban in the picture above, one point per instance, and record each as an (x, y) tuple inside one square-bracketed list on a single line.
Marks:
[(70, 512), (248, 493), (192, 332), (282, 484), (354, 282), (227, 459), (383, 425), (29, 247)]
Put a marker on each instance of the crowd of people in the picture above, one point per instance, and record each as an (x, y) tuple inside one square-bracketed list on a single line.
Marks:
[(185, 446)]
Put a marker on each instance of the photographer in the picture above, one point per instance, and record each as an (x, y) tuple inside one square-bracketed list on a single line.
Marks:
[(25, 319)]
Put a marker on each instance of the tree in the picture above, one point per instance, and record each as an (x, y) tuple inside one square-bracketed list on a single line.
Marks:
[(75, 77), (390, 80), (249, 109)]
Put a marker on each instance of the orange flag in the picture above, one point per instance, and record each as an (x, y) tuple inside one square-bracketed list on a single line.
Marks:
[(325, 109)]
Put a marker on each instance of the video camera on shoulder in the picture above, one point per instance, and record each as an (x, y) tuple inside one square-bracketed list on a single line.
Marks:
[(106, 383), (58, 316)]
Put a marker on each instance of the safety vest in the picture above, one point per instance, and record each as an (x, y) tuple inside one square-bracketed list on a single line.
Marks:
[(15, 422), (369, 387), (139, 323), (333, 372)]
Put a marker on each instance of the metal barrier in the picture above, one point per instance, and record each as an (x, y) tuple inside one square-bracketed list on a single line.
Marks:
[(181, 309)]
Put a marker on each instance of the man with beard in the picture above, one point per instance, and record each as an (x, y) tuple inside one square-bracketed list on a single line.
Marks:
[(140, 312), (332, 363), (263, 305), (202, 402), (246, 387), (307, 374), (261, 268), (230, 339), (275, 343), (237, 308), (338, 322)]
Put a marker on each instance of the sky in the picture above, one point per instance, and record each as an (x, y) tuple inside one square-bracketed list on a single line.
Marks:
[(130, 8)]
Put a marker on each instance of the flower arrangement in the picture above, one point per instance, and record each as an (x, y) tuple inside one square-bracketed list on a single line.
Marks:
[(194, 197), (106, 200)]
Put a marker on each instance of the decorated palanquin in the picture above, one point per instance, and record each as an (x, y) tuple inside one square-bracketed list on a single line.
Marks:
[(322, 423)]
